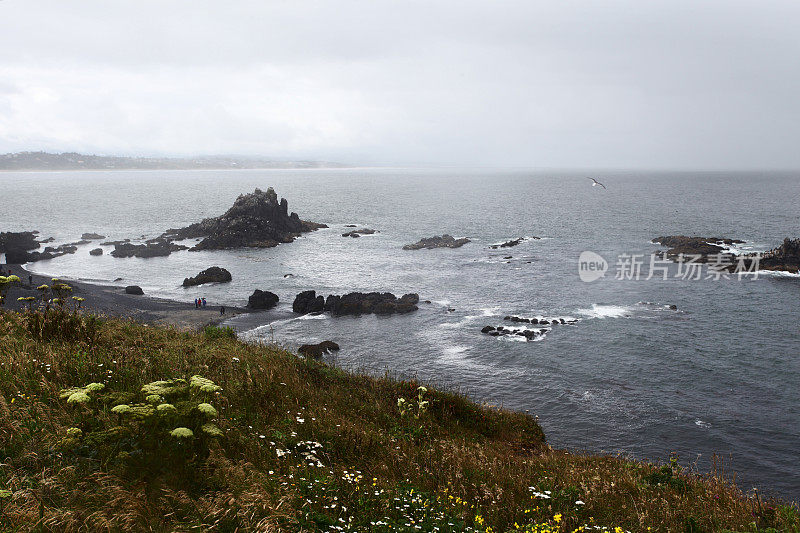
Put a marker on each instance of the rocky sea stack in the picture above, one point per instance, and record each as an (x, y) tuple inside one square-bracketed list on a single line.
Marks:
[(443, 241), (256, 220), (214, 274)]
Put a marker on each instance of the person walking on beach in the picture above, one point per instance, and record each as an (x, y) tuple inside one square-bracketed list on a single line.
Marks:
[(196, 303), (30, 279), (222, 310), (204, 302)]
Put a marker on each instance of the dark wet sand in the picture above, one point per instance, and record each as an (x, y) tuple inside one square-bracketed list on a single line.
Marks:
[(112, 301)]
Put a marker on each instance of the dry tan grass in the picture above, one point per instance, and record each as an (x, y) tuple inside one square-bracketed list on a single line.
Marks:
[(475, 463)]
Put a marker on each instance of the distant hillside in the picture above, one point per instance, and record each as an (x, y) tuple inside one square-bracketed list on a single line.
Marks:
[(75, 161)]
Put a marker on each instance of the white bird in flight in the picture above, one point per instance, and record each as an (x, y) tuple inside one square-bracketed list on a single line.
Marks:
[(596, 183)]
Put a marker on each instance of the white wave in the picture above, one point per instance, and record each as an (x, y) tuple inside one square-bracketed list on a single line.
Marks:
[(606, 311), (777, 274), (454, 351), (702, 423), (460, 324), (311, 316), (489, 311)]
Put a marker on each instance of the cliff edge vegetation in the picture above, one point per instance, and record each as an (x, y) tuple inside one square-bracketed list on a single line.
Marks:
[(111, 425)]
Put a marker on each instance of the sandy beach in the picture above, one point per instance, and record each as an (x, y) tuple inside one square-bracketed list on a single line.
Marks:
[(113, 301)]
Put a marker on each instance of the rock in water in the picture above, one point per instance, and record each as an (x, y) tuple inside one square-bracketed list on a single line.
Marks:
[(214, 274), (785, 257), (443, 241), (96, 251), (156, 248), (359, 232), (308, 302), (702, 246), (316, 350), (134, 289), (262, 300), (92, 236), (256, 220), (17, 245), (355, 303)]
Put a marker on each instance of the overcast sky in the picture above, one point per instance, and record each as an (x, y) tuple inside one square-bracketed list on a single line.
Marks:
[(561, 83)]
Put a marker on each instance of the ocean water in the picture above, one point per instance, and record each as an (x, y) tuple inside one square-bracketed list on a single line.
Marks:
[(719, 375)]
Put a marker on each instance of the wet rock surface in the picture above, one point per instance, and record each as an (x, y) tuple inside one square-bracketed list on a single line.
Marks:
[(355, 303), (442, 241), (213, 274), (318, 350), (262, 300)]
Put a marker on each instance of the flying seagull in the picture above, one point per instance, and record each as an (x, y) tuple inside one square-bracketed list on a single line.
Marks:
[(596, 183)]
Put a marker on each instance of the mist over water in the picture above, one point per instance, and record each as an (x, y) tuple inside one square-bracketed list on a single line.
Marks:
[(717, 375)]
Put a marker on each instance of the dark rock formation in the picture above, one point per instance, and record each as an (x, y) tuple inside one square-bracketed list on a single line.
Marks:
[(542, 321), (96, 251), (308, 302), (262, 300), (114, 243), (17, 245), (158, 248), (500, 331), (92, 236), (134, 289), (317, 350), (785, 257), (702, 246), (256, 220), (359, 232), (213, 274), (444, 241), (355, 303)]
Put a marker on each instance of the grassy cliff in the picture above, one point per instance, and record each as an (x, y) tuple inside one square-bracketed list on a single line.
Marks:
[(256, 439)]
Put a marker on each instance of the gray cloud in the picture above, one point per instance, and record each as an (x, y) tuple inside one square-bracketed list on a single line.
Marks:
[(574, 83)]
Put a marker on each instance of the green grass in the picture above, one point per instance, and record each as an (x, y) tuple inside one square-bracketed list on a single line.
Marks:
[(308, 447)]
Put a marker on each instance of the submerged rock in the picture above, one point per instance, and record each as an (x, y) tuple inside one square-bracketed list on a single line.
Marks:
[(512, 242), (96, 251), (500, 331), (213, 274), (317, 350), (256, 220), (359, 232), (443, 241), (262, 300), (92, 236)]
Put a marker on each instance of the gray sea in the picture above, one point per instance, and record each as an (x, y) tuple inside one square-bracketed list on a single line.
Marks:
[(718, 375)]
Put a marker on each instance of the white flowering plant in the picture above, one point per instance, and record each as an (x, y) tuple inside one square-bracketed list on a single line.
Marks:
[(168, 424)]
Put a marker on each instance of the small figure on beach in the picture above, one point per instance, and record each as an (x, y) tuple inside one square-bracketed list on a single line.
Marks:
[(30, 279), (222, 310), (197, 303), (204, 302)]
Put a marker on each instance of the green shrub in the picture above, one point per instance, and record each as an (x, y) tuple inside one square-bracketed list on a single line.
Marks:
[(217, 332), (170, 427)]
